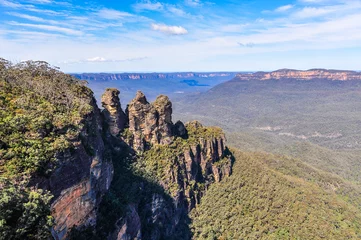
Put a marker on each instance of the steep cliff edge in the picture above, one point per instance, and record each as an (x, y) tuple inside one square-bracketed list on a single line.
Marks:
[(311, 74), (53, 145), (170, 166), (83, 173), (135, 76)]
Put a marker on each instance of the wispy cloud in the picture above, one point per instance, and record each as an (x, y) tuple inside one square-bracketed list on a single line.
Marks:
[(102, 60), (41, 1), (10, 4), (148, 6), (193, 3), (51, 28), (26, 16), (171, 30), (284, 8), (113, 14), (176, 11), (30, 7), (101, 34)]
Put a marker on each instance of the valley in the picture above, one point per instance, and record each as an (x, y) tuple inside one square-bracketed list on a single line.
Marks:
[(284, 164), (174, 85)]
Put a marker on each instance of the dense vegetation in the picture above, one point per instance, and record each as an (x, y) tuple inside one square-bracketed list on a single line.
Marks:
[(317, 121), (269, 197), (40, 115), (136, 180), (313, 194), (157, 163)]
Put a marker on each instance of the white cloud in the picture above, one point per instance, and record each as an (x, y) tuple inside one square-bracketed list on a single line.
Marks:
[(67, 31), (148, 6), (332, 11), (29, 7), (309, 12), (176, 11), (102, 60), (11, 4), (41, 1), (113, 14), (26, 16), (96, 59), (284, 8), (172, 30), (193, 3)]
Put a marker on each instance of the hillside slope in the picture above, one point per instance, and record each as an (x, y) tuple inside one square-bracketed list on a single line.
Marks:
[(269, 197), (316, 119)]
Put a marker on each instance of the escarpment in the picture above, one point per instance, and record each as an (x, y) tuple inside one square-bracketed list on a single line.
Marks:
[(312, 74), (106, 174), (82, 176), (182, 159)]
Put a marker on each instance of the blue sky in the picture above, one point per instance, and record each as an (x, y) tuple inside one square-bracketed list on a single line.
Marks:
[(182, 35)]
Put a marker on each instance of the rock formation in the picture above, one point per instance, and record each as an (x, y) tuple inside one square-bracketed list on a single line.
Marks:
[(84, 174), (82, 177), (135, 76), (185, 170), (335, 75), (150, 123), (113, 113), (81, 171)]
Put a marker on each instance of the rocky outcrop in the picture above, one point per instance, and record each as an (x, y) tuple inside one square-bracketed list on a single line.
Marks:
[(82, 176), (189, 158), (149, 123), (113, 113), (201, 164), (335, 75)]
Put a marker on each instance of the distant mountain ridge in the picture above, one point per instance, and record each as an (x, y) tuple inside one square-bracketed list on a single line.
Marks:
[(329, 74), (135, 76)]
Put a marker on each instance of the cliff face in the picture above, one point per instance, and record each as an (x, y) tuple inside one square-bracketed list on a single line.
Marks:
[(98, 174), (135, 76), (82, 176), (183, 159), (196, 167), (302, 75)]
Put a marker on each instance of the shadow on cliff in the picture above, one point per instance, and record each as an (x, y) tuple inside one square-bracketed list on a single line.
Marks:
[(134, 205)]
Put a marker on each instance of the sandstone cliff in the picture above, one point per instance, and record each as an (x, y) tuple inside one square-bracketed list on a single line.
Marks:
[(176, 162), (83, 175), (149, 123), (312, 74), (72, 171), (113, 112), (135, 76), (181, 159)]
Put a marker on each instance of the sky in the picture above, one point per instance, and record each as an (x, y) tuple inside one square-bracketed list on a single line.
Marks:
[(182, 35)]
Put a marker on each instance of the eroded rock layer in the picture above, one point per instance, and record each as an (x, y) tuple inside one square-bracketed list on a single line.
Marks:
[(150, 123), (113, 113), (325, 74)]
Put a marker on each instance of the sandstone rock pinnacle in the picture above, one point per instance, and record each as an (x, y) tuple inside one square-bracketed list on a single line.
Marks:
[(150, 123), (113, 113)]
